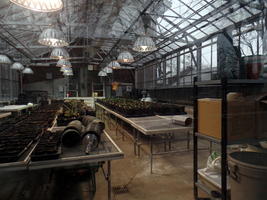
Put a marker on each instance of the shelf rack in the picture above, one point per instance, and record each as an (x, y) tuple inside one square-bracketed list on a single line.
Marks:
[(223, 84)]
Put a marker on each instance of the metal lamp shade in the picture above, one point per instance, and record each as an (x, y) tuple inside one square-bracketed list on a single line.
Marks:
[(68, 73), (65, 68), (125, 57), (27, 70), (17, 66), (53, 38), (144, 44), (40, 5), (4, 59), (63, 63), (102, 73), (59, 53), (114, 65), (108, 70)]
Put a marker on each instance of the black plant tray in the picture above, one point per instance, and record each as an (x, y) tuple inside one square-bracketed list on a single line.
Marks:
[(46, 156), (136, 115), (14, 157)]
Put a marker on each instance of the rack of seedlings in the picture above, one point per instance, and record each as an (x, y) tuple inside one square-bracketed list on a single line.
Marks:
[(14, 142), (48, 148), (134, 108), (19, 135), (9, 122), (73, 110), (45, 115)]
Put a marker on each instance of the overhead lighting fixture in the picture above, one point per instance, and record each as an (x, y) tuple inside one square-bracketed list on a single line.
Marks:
[(108, 70), (144, 44), (53, 37), (17, 66), (65, 68), (114, 65), (102, 73), (40, 5), (68, 73), (63, 63), (59, 53), (4, 59), (27, 70), (125, 57)]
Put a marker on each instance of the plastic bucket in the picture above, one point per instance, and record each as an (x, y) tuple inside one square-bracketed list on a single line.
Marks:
[(254, 66), (248, 172)]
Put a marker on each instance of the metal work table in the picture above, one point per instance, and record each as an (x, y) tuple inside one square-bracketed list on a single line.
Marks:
[(4, 115), (72, 157), (16, 108), (149, 126)]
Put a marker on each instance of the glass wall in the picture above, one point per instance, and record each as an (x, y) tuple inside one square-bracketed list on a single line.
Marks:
[(180, 68), (9, 83)]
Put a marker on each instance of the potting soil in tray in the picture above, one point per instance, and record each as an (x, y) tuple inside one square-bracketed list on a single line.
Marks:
[(48, 148)]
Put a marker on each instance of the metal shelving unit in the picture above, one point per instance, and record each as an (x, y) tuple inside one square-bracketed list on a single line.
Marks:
[(223, 142)]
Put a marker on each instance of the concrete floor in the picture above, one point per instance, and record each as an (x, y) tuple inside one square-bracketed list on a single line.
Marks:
[(171, 179)]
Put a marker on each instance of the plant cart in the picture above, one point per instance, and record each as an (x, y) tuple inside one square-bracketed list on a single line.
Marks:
[(224, 86)]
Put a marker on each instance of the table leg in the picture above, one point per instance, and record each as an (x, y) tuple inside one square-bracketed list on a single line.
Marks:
[(151, 155), (122, 131), (165, 142), (116, 130), (138, 145), (135, 140), (188, 140), (170, 142), (109, 180)]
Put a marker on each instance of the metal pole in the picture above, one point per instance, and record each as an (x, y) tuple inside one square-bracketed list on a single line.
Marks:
[(151, 155), (195, 155), (109, 180), (21, 89), (224, 140)]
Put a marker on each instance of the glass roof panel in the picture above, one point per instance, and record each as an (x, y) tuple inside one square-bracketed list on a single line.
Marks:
[(209, 29), (197, 4), (206, 10), (239, 15), (198, 34), (218, 4)]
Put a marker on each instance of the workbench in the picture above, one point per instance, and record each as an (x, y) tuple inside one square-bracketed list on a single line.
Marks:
[(149, 126), (71, 157), (16, 109), (4, 115)]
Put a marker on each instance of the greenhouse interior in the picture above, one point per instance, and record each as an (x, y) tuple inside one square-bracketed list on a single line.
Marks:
[(133, 100)]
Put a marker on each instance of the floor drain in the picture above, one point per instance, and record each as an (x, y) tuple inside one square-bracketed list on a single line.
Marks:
[(120, 189)]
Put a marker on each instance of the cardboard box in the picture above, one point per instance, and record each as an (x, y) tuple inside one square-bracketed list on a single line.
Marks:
[(240, 118)]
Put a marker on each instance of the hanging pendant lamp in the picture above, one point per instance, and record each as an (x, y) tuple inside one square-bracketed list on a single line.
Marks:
[(114, 65), (68, 73), (53, 37), (102, 73), (40, 5), (144, 44), (17, 66), (4, 59), (59, 53), (64, 63), (125, 57), (27, 70), (65, 68), (108, 70)]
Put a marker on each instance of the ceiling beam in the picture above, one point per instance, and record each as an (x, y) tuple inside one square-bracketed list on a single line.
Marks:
[(129, 28)]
